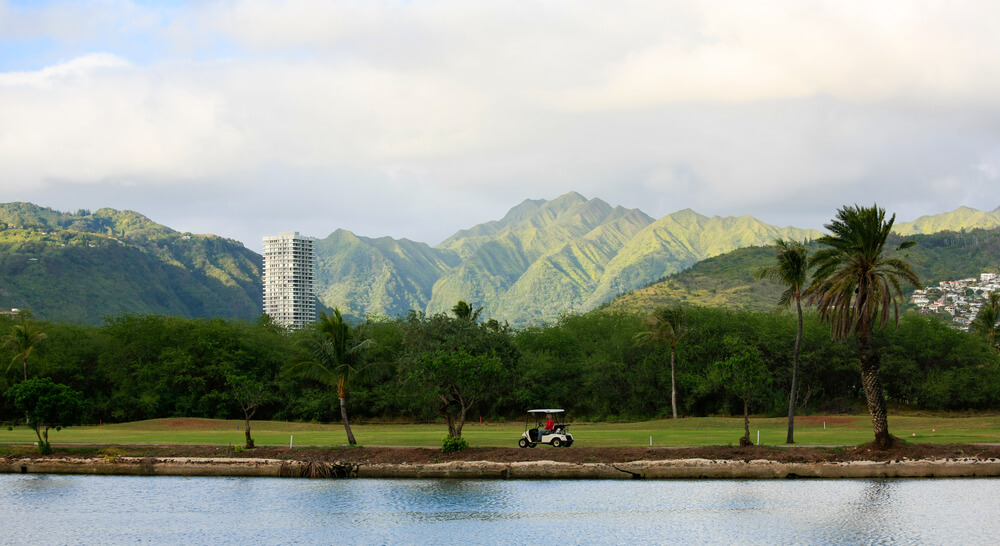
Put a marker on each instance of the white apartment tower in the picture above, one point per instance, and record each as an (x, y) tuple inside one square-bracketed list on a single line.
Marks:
[(289, 279)]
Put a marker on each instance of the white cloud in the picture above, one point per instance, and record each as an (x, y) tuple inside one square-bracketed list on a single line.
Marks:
[(446, 105)]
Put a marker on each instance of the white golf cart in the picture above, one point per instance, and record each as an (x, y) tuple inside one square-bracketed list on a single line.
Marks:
[(558, 436)]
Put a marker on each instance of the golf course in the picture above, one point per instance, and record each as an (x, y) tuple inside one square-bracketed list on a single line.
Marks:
[(836, 430)]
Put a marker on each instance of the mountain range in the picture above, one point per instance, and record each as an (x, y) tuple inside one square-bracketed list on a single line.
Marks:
[(542, 259)]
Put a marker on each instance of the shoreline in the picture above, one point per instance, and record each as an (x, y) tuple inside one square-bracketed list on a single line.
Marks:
[(685, 469)]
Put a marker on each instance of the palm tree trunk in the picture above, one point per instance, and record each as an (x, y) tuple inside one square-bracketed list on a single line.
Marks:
[(795, 377), (347, 424), (872, 384), (673, 383)]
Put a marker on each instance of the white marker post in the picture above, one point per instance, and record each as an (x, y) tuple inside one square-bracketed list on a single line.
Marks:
[(758, 437), (290, 436)]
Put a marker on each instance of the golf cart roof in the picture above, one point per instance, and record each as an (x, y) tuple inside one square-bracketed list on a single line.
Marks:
[(545, 411)]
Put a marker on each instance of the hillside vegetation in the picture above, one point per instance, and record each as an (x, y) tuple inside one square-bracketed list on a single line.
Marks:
[(541, 260), (727, 280), (960, 219), (83, 266)]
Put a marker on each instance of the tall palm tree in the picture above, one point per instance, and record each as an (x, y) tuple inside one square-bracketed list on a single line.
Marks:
[(337, 354), (987, 321), (855, 286), (23, 339), (792, 270), (666, 326)]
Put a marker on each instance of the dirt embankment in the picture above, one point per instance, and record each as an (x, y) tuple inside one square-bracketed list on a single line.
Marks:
[(916, 460)]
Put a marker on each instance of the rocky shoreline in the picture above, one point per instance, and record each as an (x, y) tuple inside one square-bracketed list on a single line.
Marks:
[(528, 470)]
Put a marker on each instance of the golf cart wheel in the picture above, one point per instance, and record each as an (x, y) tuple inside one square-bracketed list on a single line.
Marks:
[(522, 442), (556, 442)]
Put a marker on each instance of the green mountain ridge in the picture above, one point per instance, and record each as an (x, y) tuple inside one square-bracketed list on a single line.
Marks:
[(82, 267), (727, 280), (962, 218), (573, 254), (570, 254)]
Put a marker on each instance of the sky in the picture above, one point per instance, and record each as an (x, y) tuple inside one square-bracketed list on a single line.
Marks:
[(419, 118)]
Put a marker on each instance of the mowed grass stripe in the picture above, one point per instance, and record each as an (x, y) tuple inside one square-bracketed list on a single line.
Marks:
[(700, 431)]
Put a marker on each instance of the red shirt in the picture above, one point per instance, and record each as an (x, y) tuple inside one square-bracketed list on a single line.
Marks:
[(550, 424)]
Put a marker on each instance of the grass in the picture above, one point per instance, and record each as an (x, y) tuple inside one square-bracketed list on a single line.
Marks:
[(839, 430)]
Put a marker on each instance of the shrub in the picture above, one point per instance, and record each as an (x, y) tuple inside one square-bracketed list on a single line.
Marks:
[(454, 443)]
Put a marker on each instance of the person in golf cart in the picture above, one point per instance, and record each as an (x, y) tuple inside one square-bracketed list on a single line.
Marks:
[(550, 425), (551, 433)]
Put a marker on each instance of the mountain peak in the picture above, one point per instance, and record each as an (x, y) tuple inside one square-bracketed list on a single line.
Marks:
[(687, 217), (566, 201)]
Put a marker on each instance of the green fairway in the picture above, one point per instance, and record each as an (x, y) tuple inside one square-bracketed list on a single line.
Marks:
[(839, 430)]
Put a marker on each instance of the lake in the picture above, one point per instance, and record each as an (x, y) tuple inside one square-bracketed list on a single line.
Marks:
[(56, 509)]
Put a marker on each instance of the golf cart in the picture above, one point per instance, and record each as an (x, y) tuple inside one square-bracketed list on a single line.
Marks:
[(559, 436)]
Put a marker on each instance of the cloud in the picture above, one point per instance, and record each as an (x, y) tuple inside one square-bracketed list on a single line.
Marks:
[(450, 111)]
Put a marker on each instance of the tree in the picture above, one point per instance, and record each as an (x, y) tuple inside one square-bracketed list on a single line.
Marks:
[(791, 271), (854, 287), (23, 339), (465, 311), (987, 321), (249, 394), (457, 362), (460, 381), (666, 326), (745, 375), (336, 354), (46, 404)]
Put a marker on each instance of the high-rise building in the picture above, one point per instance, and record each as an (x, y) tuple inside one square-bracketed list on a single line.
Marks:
[(289, 279)]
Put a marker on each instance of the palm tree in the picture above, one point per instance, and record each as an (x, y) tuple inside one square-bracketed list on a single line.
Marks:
[(854, 287), (23, 339), (666, 325), (987, 321), (792, 270), (337, 354), (465, 311)]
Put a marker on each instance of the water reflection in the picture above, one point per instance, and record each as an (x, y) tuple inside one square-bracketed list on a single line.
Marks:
[(96, 509)]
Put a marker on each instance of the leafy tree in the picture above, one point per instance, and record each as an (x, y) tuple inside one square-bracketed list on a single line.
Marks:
[(23, 339), (745, 375), (336, 354), (791, 271), (457, 362), (666, 326), (854, 288), (987, 321), (46, 404), (460, 380), (249, 393)]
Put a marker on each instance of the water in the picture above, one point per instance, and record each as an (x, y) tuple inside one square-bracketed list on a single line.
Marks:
[(126, 510)]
